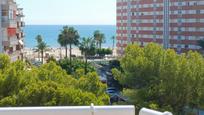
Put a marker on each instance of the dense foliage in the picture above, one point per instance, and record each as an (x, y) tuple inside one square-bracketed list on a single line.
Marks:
[(76, 65), (161, 79), (48, 85), (88, 48), (104, 51)]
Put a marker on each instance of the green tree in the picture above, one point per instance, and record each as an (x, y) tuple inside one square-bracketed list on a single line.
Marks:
[(8, 102), (87, 47), (4, 61), (76, 65), (47, 85), (39, 39), (11, 79), (113, 38), (92, 83), (99, 38), (104, 51), (41, 47), (161, 79), (52, 58), (68, 36)]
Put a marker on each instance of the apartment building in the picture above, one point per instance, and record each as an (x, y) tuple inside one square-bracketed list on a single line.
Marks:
[(176, 24), (11, 29)]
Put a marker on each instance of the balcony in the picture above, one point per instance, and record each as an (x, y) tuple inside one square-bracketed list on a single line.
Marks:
[(20, 35), (6, 22), (6, 43), (13, 41), (20, 12), (21, 42), (20, 24), (19, 47)]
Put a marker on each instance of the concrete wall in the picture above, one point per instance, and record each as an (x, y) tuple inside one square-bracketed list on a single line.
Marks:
[(80, 110)]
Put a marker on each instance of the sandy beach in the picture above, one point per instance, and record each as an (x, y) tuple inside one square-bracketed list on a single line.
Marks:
[(57, 53)]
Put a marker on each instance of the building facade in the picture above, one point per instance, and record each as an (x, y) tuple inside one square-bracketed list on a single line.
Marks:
[(176, 24), (11, 29)]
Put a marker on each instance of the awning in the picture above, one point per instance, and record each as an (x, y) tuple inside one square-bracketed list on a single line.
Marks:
[(11, 32)]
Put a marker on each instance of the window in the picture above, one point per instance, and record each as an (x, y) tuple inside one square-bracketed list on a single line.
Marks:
[(195, 4), (4, 13), (133, 13), (179, 38), (186, 46), (188, 4), (197, 11), (11, 14), (179, 29), (133, 36), (179, 12)]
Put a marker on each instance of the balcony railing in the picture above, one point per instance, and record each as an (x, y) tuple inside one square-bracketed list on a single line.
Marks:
[(20, 35), (20, 24), (79, 110), (20, 12), (145, 111)]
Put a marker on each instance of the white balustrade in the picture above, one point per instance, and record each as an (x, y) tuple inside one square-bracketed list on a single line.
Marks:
[(75, 110), (145, 111)]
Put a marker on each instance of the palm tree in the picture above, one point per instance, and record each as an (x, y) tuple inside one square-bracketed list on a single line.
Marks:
[(62, 42), (113, 38), (41, 46), (88, 48), (39, 40), (99, 38), (68, 36)]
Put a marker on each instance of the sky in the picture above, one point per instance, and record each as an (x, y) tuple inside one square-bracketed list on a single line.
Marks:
[(71, 12)]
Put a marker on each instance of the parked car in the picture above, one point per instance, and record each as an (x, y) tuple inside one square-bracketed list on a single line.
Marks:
[(112, 91)]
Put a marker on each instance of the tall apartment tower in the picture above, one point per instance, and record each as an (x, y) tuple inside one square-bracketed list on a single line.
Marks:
[(11, 29), (176, 24)]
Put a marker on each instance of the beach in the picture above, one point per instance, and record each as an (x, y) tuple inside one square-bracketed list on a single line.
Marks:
[(57, 53)]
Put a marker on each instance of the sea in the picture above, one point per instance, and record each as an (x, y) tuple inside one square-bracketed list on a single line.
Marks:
[(50, 33)]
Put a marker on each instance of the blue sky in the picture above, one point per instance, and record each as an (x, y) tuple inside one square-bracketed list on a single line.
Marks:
[(72, 12)]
